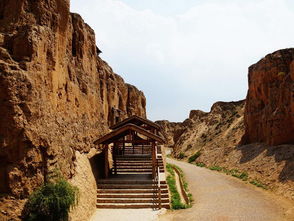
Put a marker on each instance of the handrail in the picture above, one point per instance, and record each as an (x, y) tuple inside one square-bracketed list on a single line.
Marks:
[(159, 188), (157, 176)]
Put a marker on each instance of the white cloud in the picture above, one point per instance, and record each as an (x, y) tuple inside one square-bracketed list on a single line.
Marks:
[(189, 60)]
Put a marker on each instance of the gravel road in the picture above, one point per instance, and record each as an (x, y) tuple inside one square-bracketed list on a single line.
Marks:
[(218, 197)]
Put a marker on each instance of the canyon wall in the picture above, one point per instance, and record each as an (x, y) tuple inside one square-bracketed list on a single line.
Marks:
[(269, 112), (56, 95), (215, 132), (257, 139)]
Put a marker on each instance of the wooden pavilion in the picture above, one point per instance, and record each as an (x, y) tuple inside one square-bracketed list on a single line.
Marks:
[(133, 164), (134, 132)]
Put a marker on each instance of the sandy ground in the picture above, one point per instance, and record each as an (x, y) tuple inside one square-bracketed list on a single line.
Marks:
[(219, 197), (126, 215)]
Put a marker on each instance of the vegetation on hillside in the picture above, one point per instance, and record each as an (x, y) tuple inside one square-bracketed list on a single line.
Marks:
[(52, 201)]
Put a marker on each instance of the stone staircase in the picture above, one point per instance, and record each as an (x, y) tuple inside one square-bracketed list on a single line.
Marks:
[(136, 164), (131, 194), (133, 186)]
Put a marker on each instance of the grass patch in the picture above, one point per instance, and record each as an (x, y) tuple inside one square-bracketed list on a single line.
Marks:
[(182, 176), (235, 173), (258, 184), (200, 164), (175, 196), (194, 157), (241, 175), (217, 168), (170, 169)]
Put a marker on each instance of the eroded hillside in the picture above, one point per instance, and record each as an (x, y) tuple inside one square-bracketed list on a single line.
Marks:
[(257, 139), (56, 96)]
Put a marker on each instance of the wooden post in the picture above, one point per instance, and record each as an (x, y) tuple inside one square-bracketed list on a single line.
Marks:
[(153, 160), (114, 157), (133, 140), (124, 146), (106, 165)]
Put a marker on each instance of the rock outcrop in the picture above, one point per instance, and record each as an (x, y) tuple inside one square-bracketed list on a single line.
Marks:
[(220, 129), (217, 134), (56, 94), (261, 142), (269, 112)]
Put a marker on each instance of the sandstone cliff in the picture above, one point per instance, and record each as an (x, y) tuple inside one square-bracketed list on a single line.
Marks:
[(56, 95), (261, 142), (269, 112), (216, 135), (220, 129)]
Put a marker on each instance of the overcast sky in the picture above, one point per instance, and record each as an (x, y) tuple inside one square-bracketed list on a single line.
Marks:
[(187, 54)]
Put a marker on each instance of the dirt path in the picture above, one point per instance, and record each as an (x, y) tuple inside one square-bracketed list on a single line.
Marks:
[(219, 197), (125, 215)]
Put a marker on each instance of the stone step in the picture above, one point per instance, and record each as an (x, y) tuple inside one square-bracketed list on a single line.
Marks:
[(149, 162), (131, 206), (134, 170), (136, 162), (128, 191), (138, 167), (134, 173), (128, 186), (110, 181), (135, 157), (134, 195), (138, 200)]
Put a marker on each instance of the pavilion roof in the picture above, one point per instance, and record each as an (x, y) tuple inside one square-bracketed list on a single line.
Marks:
[(124, 130), (136, 120)]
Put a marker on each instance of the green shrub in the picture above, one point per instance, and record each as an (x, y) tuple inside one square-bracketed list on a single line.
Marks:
[(243, 176), (217, 168), (200, 164), (52, 201), (181, 155), (258, 184), (194, 157)]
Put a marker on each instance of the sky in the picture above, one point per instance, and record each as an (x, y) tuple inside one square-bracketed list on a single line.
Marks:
[(187, 54)]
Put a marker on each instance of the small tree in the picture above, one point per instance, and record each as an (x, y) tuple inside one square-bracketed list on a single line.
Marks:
[(52, 201)]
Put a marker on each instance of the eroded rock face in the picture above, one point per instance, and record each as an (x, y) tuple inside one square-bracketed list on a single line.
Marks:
[(217, 134), (269, 112), (56, 94), (222, 127)]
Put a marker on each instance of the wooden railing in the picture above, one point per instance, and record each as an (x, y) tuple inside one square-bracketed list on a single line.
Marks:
[(157, 177)]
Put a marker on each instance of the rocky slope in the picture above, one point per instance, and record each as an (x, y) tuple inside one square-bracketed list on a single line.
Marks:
[(260, 143), (217, 131), (56, 96), (269, 114)]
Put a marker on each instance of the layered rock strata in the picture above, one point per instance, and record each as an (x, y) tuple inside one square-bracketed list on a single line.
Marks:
[(269, 112), (56, 94), (221, 127)]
